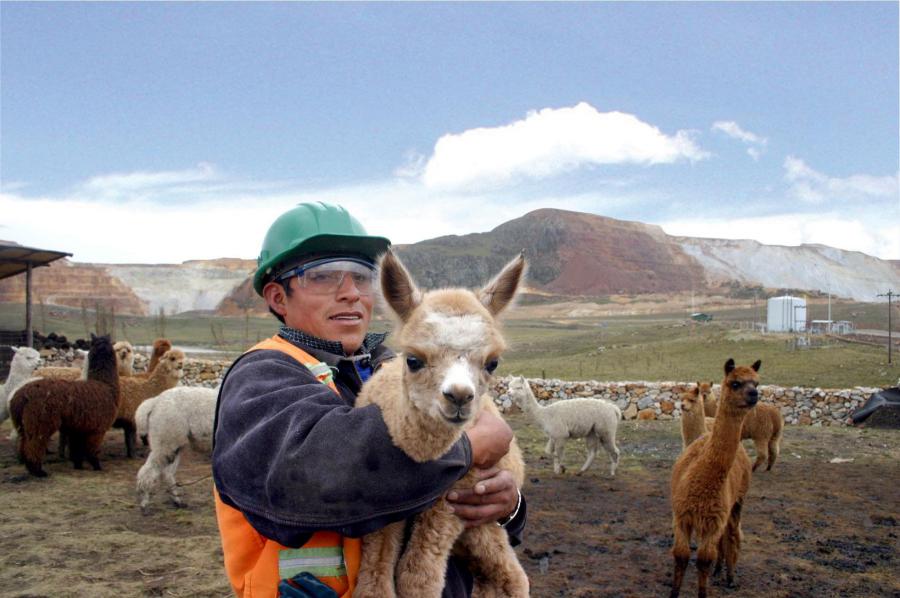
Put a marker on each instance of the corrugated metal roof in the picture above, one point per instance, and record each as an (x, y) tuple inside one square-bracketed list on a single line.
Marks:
[(14, 259)]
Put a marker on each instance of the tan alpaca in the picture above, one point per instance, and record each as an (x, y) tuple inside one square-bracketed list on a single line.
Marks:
[(709, 399), (709, 482), (135, 390), (124, 361), (160, 346), (764, 426), (449, 343), (693, 405)]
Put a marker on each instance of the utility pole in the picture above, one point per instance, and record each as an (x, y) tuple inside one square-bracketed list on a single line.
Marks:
[(889, 295)]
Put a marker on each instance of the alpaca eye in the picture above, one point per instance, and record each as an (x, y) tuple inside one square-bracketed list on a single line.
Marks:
[(735, 385), (491, 366), (414, 363)]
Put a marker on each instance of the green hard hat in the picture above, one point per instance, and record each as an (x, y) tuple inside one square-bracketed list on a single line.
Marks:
[(313, 228)]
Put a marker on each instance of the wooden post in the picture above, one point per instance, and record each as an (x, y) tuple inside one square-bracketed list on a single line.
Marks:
[(29, 334)]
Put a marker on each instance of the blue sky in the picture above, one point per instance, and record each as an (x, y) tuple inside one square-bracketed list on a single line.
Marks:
[(139, 132)]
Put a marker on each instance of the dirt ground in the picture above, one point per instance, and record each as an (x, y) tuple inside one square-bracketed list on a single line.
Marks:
[(812, 527)]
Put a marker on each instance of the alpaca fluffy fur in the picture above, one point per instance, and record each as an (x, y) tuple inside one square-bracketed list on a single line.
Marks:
[(85, 409), (426, 411), (595, 420), (178, 417), (693, 406), (709, 482), (135, 390), (25, 360)]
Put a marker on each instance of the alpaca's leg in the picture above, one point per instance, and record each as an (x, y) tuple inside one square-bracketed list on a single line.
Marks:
[(34, 448), (77, 449), (593, 443), (380, 551), (493, 563), (774, 451), (92, 449), (681, 551), (130, 437), (762, 452), (147, 478), (420, 573), (169, 477), (549, 448), (609, 445), (559, 446), (63, 443), (707, 552), (732, 542)]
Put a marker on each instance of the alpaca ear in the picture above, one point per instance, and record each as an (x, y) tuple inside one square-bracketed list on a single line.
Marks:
[(397, 286), (15, 349), (729, 365), (696, 390), (756, 365), (499, 292)]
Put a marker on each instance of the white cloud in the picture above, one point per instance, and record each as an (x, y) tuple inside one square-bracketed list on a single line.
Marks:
[(549, 142), (879, 237), (812, 186), (127, 184), (734, 130)]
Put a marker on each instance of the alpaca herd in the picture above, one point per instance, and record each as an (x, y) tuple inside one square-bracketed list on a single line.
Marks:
[(426, 410)]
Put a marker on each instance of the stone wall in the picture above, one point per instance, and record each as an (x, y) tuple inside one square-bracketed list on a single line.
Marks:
[(637, 400)]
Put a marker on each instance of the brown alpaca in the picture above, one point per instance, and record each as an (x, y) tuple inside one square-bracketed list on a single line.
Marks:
[(709, 482), (709, 399), (135, 390), (693, 423), (84, 409), (160, 347), (450, 342), (764, 425)]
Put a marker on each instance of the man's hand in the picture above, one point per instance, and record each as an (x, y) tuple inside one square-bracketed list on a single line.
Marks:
[(494, 497), (489, 436)]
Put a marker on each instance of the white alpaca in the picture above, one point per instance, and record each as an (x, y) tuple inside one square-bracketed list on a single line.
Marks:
[(24, 362), (595, 420), (174, 419), (450, 342)]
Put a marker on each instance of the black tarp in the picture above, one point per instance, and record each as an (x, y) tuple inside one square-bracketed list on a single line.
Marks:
[(882, 410)]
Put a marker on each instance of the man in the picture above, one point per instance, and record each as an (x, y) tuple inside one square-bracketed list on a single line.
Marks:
[(300, 474)]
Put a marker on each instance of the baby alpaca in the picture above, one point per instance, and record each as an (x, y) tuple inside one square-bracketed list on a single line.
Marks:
[(450, 342), (178, 417), (595, 420)]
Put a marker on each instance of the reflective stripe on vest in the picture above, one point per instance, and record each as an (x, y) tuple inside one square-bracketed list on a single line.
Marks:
[(255, 564)]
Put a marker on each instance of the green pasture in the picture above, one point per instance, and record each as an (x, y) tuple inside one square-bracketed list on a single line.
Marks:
[(647, 347)]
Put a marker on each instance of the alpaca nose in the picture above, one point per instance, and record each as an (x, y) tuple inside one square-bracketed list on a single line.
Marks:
[(459, 395), (752, 397)]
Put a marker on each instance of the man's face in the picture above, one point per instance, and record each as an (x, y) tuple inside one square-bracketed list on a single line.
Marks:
[(341, 316)]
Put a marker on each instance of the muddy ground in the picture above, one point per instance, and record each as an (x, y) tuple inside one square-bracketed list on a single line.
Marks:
[(812, 528)]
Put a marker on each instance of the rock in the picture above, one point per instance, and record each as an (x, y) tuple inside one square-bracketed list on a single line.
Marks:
[(630, 412), (645, 402), (667, 407)]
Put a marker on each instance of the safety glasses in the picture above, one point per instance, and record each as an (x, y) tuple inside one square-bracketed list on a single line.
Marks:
[(326, 276)]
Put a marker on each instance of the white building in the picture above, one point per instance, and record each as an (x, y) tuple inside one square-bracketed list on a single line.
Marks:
[(786, 314)]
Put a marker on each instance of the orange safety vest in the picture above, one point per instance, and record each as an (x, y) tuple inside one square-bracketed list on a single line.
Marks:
[(255, 564)]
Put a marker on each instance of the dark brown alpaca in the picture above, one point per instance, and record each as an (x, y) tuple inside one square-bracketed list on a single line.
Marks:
[(82, 409), (709, 482)]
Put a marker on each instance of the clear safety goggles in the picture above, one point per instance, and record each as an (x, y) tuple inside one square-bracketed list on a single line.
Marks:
[(327, 276)]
